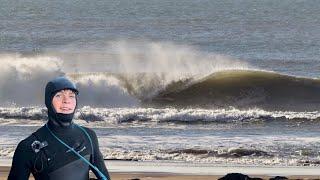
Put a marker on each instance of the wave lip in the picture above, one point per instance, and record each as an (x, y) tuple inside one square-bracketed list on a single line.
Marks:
[(243, 89)]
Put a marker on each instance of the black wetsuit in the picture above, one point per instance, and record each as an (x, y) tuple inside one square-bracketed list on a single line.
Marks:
[(54, 161)]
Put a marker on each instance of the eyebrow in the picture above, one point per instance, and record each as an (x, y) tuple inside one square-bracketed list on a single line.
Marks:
[(66, 91)]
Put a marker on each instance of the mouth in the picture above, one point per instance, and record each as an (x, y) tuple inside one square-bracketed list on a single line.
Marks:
[(65, 109)]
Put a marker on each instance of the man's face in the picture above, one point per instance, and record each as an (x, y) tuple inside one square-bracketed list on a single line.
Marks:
[(64, 101)]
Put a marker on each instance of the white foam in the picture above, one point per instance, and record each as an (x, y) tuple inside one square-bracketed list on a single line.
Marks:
[(23, 78), (122, 115), (102, 90), (193, 115)]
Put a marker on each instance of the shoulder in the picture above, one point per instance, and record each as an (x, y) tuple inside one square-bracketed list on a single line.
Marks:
[(25, 144), (90, 131)]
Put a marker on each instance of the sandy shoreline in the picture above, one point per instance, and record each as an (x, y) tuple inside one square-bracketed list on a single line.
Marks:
[(124, 170), (125, 176), (4, 170)]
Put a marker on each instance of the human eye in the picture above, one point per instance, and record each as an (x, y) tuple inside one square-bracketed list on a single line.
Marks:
[(72, 96)]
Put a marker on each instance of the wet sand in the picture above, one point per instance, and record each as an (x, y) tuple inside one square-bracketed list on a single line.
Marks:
[(129, 170), (4, 171)]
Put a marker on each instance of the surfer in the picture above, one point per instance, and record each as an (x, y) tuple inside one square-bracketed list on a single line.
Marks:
[(60, 149)]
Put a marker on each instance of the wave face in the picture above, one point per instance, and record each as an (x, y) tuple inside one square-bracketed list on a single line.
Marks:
[(244, 89)]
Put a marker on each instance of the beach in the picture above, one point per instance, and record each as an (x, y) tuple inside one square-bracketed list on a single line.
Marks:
[(123, 170)]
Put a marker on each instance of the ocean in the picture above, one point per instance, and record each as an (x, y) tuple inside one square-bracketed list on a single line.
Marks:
[(206, 82)]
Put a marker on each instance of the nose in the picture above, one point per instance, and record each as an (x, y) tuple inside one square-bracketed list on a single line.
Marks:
[(65, 99)]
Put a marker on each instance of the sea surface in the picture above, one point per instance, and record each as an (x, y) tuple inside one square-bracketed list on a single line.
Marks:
[(218, 82)]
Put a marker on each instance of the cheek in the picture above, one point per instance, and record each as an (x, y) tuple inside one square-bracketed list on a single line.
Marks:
[(73, 103), (56, 104)]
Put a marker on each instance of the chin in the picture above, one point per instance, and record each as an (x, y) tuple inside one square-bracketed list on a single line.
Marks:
[(66, 112)]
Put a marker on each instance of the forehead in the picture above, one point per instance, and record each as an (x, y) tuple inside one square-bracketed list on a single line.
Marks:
[(66, 91)]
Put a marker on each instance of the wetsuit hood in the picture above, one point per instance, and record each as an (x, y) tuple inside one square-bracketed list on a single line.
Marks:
[(52, 87)]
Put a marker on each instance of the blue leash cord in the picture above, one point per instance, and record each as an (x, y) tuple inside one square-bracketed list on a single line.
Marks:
[(88, 138), (76, 153)]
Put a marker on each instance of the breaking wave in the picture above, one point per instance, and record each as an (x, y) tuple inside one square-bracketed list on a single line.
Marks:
[(162, 74), (127, 115), (244, 89), (126, 73)]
